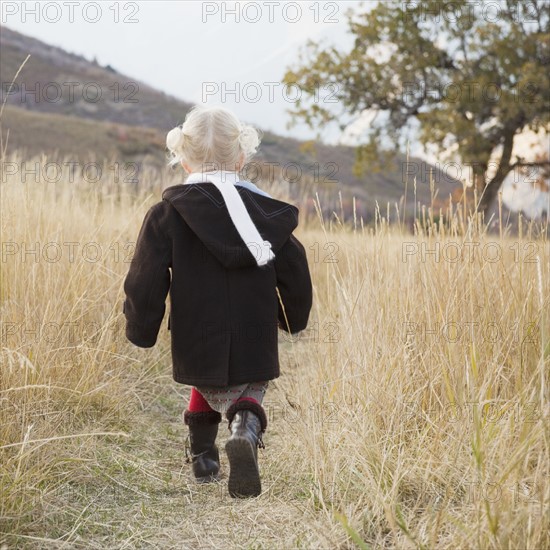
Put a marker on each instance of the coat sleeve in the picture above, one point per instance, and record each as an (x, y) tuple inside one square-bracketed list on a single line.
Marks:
[(148, 281), (294, 284)]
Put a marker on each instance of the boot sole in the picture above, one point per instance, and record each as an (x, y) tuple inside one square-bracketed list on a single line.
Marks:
[(244, 477)]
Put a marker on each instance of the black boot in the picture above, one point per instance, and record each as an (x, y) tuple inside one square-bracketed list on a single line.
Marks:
[(203, 429), (247, 422)]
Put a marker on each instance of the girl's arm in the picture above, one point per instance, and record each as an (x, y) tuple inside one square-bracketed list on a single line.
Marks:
[(294, 284), (148, 281)]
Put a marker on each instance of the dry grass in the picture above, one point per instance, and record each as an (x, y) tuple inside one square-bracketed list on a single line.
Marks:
[(413, 412)]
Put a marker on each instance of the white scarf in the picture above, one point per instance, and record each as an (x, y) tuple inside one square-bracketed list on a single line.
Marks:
[(225, 182)]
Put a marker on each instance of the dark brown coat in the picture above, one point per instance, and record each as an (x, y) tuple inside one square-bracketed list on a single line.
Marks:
[(224, 310)]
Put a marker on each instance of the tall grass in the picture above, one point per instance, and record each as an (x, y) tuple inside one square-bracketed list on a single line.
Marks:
[(413, 412)]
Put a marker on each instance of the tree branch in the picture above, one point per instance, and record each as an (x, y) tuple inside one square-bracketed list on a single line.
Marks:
[(536, 163)]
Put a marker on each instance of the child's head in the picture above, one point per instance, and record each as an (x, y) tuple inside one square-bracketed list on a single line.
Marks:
[(212, 138)]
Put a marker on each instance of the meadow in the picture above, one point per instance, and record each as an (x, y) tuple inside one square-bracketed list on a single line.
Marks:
[(412, 413)]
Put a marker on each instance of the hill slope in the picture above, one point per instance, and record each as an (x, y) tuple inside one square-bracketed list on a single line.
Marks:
[(62, 102)]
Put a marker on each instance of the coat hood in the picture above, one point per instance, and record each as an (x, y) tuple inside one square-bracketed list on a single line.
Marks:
[(202, 207)]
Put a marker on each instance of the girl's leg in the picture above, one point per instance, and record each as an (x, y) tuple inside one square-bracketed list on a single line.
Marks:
[(247, 422), (255, 391), (197, 402), (242, 405), (203, 423), (220, 399)]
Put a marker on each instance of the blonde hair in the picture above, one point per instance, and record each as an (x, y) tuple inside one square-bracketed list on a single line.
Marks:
[(212, 138)]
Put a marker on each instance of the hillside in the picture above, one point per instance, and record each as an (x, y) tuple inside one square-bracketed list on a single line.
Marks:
[(68, 84), (67, 135), (81, 108)]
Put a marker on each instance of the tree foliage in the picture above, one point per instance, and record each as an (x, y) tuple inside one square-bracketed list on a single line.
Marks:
[(472, 74)]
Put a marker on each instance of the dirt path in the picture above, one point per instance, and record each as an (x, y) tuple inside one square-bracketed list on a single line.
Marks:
[(139, 493)]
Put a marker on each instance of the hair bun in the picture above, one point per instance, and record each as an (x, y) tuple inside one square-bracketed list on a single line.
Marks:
[(249, 139), (174, 139)]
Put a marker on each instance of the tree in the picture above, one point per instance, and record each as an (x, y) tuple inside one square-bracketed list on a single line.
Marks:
[(472, 74)]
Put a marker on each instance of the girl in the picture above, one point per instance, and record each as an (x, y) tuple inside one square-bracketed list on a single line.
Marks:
[(225, 251)]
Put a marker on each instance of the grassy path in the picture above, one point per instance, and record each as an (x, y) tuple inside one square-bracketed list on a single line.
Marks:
[(139, 493), (421, 425)]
